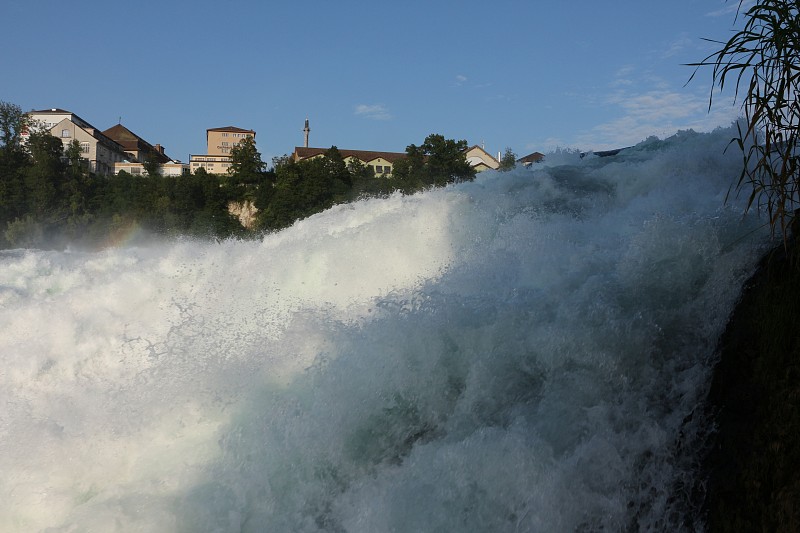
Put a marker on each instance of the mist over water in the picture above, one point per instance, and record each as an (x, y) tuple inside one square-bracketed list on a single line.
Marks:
[(525, 352)]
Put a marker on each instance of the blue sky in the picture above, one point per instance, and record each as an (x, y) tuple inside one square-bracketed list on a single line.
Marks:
[(531, 76)]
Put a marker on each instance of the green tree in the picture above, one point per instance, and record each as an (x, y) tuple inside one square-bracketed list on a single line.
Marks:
[(279, 161), (508, 161), (446, 160), (75, 187), (359, 170), (246, 164), (762, 61), (152, 166), (365, 183), (437, 162), (337, 174), (13, 122), (24, 232), (408, 173), (306, 187), (13, 161), (43, 178)]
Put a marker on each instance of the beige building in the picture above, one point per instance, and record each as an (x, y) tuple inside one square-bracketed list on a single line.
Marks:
[(481, 160), (219, 142), (169, 169), (96, 147), (139, 151), (381, 163)]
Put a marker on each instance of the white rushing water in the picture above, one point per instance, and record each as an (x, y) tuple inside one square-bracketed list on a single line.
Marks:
[(520, 353)]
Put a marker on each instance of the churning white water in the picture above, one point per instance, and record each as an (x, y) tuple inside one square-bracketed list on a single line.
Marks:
[(520, 353)]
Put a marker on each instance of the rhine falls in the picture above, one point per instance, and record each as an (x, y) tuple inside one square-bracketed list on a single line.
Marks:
[(529, 351)]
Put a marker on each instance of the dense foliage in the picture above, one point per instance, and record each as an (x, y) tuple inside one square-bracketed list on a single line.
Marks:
[(49, 198), (508, 161), (436, 162), (764, 59)]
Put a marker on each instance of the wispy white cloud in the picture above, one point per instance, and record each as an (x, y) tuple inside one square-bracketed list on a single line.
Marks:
[(373, 111), (623, 76), (678, 45), (656, 112), (730, 8), (463, 81)]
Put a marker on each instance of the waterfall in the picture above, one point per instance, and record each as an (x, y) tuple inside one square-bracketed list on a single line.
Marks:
[(525, 352)]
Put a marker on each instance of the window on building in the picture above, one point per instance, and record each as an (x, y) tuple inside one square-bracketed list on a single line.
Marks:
[(85, 148), (136, 171), (65, 134), (224, 134)]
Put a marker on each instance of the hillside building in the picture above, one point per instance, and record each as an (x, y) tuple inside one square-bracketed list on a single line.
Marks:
[(219, 142), (381, 163), (136, 148), (98, 149), (480, 159), (530, 159), (138, 151)]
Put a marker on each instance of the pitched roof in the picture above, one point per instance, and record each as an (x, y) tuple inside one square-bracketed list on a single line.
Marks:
[(133, 143), (93, 132), (302, 152), (52, 110), (57, 111), (531, 158), (233, 129), (490, 156)]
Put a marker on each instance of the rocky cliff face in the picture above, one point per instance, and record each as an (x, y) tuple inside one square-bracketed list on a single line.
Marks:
[(754, 461), (245, 211)]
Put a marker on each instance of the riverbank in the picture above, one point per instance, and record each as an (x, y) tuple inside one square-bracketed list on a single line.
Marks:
[(755, 455)]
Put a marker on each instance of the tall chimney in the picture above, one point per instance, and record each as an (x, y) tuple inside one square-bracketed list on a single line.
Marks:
[(306, 131)]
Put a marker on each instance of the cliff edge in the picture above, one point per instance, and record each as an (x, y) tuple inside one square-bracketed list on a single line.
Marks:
[(754, 461)]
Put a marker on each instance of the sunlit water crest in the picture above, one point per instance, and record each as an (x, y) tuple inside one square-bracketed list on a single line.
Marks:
[(525, 352)]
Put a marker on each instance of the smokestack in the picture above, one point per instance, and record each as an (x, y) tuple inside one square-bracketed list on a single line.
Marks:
[(306, 131)]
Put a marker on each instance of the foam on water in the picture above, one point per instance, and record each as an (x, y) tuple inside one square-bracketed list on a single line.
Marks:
[(525, 352)]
